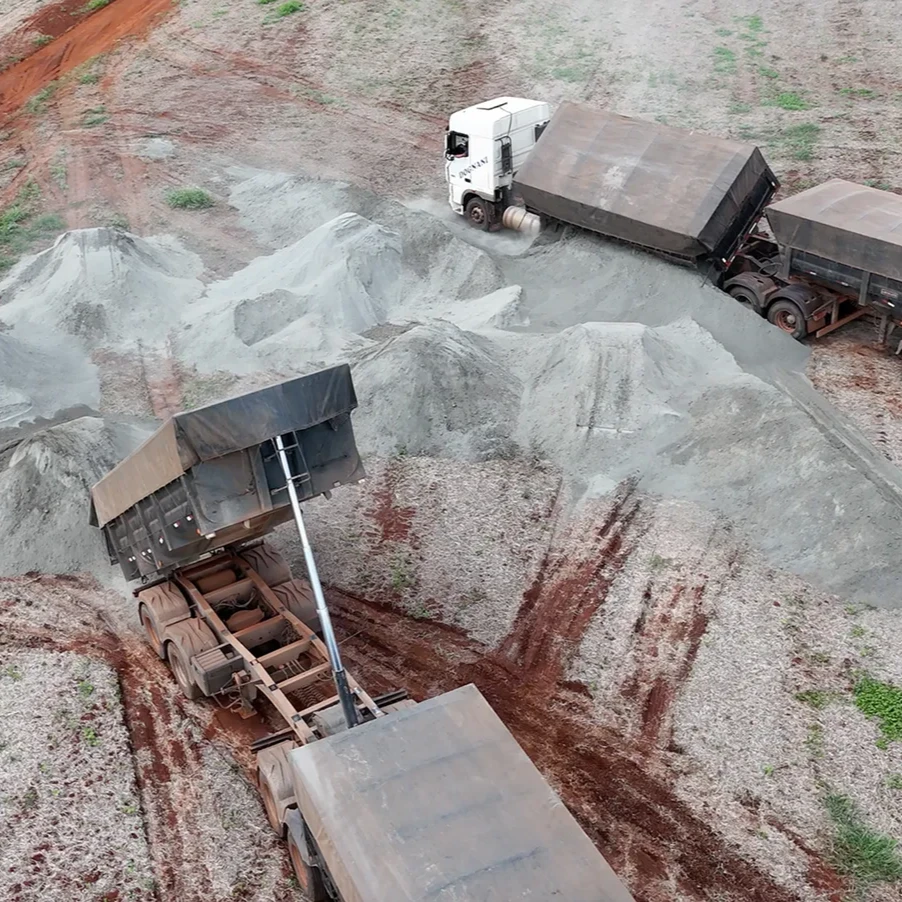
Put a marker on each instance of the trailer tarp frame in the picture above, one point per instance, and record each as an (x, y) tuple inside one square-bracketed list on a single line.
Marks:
[(219, 429), (847, 223), (438, 802)]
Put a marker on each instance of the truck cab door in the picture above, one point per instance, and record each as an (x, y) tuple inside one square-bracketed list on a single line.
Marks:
[(457, 159)]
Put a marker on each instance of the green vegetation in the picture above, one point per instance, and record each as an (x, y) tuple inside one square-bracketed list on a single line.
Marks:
[(858, 851), (894, 781), (89, 734), (819, 657), (284, 9), (737, 108), (59, 171), (13, 164), (876, 183), (858, 632), (753, 24), (863, 93), (85, 688), (88, 78), (91, 5), (13, 672), (30, 799), (814, 741), (189, 199), (95, 116), (768, 770), (723, 32), (21, 226), (400, 578), (799, 141), (816, 698), (656, 562), (790, 100), (724, 60), (41, 40), (768, 73), (38, 102), (882, 701)]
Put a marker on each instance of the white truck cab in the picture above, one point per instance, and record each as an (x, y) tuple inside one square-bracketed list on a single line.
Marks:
[(484, 147)]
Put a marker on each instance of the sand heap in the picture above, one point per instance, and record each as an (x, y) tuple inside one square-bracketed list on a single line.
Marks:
[(102, 287), (45, 482)]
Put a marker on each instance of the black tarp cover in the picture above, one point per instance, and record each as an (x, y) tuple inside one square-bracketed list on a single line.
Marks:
[(220, 429), (668, 189), (439, 803), (847, 223)]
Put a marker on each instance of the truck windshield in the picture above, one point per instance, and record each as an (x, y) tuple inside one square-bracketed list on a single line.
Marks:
[(457, 145)]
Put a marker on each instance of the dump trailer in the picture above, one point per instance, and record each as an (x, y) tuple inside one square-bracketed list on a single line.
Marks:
[(837, 257), (683, 195), (378, 798)]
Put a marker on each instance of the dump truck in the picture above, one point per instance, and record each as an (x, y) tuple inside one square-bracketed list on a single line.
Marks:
[(809, 264), (378, 798)]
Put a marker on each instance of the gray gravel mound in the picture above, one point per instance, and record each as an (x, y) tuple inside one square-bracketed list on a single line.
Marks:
[(45, 482), (102, 287), (36, 383), (435, 390), (280, 208)]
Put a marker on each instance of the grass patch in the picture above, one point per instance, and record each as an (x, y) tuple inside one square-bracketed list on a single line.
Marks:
[(876, 183), (800, 141), (753, 24), (894, 781), (9, 165), (13, 672), (738, 108), (863, 93), (768, 73), (91, 5), (816, 698), (38, 102), (96, 116), (814, 741), (858, 632), (189, 199), (88, 78), (858, 851), (724, 60), (400, 578), (21, 225), (41, 40), (723, 32), (882, 701), (790, 100), (286, 9)]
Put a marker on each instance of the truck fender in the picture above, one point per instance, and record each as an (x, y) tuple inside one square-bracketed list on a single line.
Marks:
[(805, 298), (294, 827), (274, 779), (159, 607), (751, 286)]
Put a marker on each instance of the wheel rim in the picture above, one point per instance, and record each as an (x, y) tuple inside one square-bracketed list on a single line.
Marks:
[(150, 628), (300, 869), (269, 805), (179, 672), (477, 214), (786, 320)]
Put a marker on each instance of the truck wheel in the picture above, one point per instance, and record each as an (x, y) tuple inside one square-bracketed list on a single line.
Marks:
[(183, 641), (787, 316), (309, 878), (269, 564), (746, 297), (477, 213), (269, 806), (181, 670), (158, 607)]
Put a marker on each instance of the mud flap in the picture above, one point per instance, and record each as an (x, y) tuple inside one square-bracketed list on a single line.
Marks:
[(294, 824)]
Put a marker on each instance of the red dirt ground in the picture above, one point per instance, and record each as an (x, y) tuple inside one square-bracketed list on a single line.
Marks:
[(74, 44)]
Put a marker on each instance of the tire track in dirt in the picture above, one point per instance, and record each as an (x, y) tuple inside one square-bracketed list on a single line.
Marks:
[(625, 804), (572, 584), (668, 635)]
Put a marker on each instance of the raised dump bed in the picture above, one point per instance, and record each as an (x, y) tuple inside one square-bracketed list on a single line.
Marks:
[(209, 478), (439, 802), (688, 196)]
